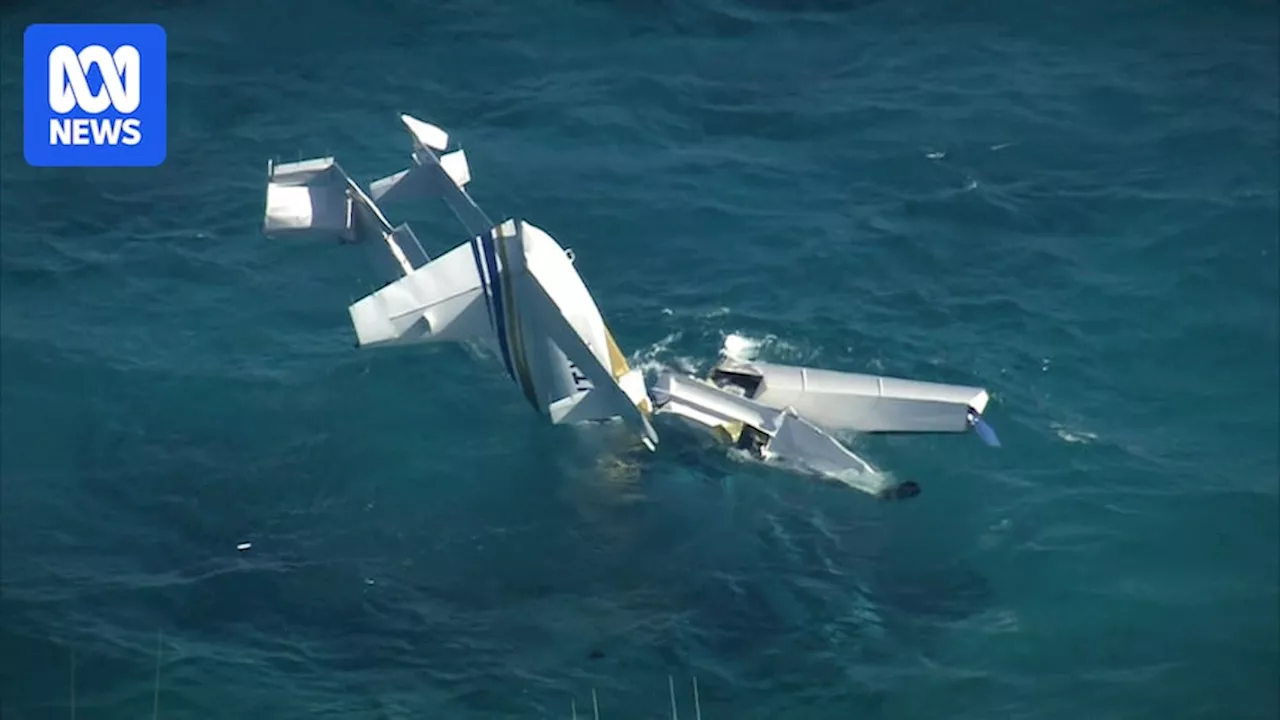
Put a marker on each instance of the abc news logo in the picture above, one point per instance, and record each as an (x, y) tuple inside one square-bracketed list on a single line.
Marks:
[(94, 95), (69, 89)]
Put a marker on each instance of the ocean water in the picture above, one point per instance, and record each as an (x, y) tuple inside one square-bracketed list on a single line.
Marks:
[(1072, 204)]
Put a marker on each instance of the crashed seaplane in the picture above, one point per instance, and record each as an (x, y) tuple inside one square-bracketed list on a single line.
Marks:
[(513, 289)]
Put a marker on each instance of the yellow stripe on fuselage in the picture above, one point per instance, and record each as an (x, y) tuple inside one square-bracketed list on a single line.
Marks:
[(618, 366), (617, 363)]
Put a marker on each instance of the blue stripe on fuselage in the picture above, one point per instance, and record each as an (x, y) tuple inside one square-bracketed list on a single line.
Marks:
[(484, 283), (496, 312)]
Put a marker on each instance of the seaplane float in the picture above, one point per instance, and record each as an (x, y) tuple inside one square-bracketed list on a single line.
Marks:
[(514, 290)]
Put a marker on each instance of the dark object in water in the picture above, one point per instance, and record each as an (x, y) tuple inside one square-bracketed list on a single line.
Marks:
[(905, 491)]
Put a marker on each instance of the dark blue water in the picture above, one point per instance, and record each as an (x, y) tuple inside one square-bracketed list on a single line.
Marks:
[(1074, 205)]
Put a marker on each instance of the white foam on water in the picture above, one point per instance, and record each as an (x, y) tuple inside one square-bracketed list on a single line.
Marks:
[(1073, 436), (870, 479), (740, 347), (658, 358), (745, 348)]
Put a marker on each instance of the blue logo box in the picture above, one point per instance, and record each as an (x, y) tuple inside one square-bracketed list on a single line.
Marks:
[(94, 95)]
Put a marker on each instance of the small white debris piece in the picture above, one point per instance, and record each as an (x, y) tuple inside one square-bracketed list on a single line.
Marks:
[(244, 546)]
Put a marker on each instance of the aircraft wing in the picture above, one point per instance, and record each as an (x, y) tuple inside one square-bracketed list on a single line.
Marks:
[(439, 302), (792, 441), (862, 403)]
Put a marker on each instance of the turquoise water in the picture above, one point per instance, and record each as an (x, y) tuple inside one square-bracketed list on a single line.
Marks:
[(1075, 206)]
